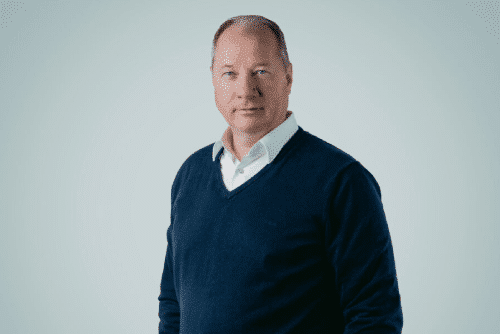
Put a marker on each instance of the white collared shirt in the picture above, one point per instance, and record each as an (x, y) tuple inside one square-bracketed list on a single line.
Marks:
[(235, 172)]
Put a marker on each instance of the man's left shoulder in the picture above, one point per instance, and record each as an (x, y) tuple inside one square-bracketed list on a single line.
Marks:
[(326, 154)]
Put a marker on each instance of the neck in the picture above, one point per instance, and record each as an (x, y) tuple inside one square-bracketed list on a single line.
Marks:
[(242, 142), (245, 139)]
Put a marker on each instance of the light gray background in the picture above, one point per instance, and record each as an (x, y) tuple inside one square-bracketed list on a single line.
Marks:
[(101, 103)]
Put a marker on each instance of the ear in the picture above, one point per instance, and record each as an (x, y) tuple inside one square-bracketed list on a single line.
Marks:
[(289, 75)]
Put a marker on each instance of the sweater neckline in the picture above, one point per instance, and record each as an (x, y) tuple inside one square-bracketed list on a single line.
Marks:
[(220, 181)]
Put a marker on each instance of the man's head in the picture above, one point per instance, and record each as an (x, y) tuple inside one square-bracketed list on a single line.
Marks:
[(250, 69)]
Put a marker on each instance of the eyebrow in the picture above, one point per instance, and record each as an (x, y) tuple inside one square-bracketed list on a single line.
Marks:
[(256, 65)]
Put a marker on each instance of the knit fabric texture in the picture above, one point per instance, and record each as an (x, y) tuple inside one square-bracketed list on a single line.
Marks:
[(301, 247)]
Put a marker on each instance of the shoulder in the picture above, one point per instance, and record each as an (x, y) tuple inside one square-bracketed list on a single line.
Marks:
[(203, 156), (194, 164), (200, 156), (329, 163), (322, 154)]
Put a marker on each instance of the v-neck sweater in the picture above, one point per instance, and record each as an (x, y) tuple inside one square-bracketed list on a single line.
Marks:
[(301, 247), (235, 172)]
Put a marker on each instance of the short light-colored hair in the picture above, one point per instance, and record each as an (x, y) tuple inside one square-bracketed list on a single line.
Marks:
[(255, 22)]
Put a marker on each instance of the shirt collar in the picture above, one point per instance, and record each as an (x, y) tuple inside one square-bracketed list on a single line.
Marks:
[(272, 143)]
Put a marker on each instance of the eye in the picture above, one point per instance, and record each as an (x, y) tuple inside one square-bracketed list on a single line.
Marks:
[(262, 71), (226, 73)]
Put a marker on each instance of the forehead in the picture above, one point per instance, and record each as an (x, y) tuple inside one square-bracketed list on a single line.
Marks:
[(240, 43)]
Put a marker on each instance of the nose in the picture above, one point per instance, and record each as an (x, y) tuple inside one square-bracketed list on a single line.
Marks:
[(247, 87)]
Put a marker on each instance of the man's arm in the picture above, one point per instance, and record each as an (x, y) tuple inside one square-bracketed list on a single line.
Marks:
[(360, 250), (169, 312), (169, 306)]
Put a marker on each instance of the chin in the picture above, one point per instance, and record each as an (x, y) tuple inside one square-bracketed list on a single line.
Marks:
[(249, 128)]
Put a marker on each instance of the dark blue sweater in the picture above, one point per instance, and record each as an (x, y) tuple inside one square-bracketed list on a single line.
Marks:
[(301, 247)]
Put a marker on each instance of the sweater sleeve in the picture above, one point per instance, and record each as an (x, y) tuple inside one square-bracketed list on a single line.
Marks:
[(360, 251), (169, 311), (169, 306)]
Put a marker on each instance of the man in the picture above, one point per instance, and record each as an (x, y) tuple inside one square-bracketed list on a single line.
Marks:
[(272, 229)]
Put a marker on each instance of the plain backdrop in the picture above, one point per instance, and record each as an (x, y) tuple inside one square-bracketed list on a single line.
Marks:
[(101, 103)]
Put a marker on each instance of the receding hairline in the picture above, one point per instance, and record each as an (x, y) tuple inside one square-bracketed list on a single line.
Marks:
[(253, 25), (264, 35), (249, 27)]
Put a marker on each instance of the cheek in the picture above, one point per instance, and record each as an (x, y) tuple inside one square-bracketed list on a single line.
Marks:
[(222, 99), (273, 91), (223, 93)]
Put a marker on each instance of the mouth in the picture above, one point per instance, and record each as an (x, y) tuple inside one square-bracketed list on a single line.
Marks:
[(252, 109)]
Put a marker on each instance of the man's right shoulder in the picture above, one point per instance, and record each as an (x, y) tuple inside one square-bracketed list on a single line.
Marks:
[(194, 165), (200, 157)]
